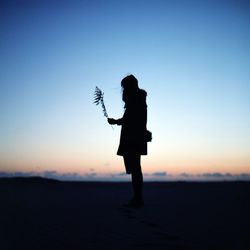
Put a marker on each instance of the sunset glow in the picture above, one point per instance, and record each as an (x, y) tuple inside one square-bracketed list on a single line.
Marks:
[(192, 59)]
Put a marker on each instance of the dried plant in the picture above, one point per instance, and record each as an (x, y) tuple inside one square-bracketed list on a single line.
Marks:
[(99, 99)]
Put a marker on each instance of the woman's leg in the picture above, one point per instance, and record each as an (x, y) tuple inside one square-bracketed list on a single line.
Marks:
[(133, 162)]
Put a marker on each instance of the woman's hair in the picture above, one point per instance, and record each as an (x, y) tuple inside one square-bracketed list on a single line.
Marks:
[(130, 91), (129, 82)]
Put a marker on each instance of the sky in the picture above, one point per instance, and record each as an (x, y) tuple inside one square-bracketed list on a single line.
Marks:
[(192, 58)]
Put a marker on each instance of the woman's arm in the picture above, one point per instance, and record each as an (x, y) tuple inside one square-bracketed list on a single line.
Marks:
[(114, 121)]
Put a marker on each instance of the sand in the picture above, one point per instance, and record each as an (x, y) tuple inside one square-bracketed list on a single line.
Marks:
[(44, 214)]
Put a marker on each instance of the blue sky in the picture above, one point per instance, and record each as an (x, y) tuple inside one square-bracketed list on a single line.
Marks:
[(192, 57)]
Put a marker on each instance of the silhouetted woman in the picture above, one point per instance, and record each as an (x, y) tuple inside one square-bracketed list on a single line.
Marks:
[(133, 143)]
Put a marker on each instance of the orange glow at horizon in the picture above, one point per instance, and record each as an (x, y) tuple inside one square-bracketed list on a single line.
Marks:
[(103, 165)]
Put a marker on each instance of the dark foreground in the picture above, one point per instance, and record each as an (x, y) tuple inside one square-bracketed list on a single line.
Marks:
[(41, 214)]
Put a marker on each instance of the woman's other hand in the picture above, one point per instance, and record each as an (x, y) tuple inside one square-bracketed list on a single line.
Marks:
[(111, 121)]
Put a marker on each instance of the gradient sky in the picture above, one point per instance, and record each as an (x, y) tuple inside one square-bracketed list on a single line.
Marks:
[(192, 57)]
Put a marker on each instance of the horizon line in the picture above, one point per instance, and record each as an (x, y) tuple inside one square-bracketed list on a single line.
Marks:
[(122, 176)]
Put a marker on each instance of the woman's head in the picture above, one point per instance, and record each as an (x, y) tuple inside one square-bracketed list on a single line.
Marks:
[(129, 82), (131, 94)]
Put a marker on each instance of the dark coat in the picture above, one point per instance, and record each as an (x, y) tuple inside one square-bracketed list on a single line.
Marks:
[(134, 124)]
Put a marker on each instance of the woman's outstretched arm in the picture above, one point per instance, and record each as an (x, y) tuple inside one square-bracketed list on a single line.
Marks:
[(114, 121)]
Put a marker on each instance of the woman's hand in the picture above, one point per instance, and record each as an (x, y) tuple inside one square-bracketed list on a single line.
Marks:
[(111, 121)]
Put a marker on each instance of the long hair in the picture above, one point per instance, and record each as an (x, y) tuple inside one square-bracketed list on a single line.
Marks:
[(131, 94)]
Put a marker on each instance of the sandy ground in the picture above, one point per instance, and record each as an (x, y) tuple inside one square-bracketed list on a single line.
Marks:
[(43, 214)]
